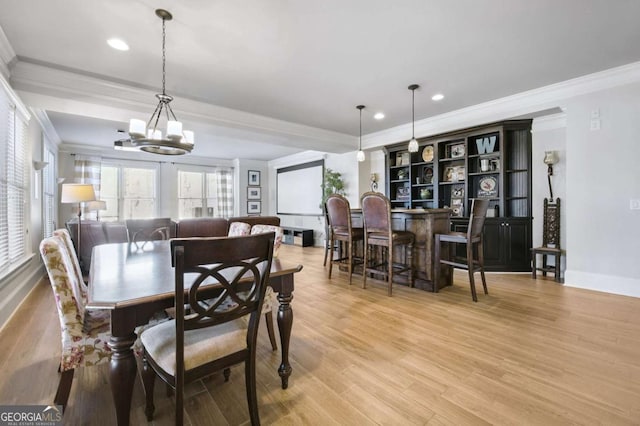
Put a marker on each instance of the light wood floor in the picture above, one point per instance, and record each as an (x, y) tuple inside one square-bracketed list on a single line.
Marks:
[(532, 352)]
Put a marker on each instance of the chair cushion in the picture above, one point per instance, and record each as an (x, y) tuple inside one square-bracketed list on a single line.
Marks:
[(200, 346)]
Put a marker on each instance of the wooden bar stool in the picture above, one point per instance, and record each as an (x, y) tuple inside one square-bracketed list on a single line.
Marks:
[(376, 215), (473, 237), (340, 229)]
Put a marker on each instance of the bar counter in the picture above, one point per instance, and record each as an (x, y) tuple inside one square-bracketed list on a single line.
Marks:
[(424, 223)]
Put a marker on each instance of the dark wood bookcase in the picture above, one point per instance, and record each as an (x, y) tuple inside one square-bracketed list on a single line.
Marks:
[(492, 161)]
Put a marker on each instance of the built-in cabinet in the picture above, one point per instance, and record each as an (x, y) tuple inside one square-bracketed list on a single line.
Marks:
[(449, 170)]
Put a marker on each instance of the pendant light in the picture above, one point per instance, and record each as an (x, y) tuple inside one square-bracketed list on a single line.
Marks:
[(148, 137), (413, 143), (360, 155)]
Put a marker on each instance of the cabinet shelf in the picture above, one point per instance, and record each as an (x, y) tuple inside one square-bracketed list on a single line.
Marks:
[(399, 180), (496, 172), (460, 182)]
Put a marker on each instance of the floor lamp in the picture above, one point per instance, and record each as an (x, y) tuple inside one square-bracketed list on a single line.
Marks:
[(77, 193)]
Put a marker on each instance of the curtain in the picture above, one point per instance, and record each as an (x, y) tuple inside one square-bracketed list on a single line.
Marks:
[(225, 192), (87, 170)]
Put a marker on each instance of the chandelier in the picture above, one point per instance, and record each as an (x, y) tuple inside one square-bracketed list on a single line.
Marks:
[(147, 136)]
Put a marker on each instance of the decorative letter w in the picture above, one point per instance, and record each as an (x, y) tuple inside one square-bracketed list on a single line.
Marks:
[(486, 145)]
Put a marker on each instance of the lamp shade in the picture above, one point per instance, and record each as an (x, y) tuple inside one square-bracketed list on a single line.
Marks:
[(77, 193), (97, 205)]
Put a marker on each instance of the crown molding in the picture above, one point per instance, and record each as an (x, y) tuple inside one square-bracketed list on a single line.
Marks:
[(7, 55), (67, 87), (527, 103), (47, 127), (549, 122)]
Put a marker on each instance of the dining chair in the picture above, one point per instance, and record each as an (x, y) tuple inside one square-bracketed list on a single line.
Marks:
[(64, 235), (550, 242), (341, 229), (376, 215), (85, 333), (472, 238), (143, 230), (213, 336)]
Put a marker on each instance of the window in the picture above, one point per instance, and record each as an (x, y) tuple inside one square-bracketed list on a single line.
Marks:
[(13, 183), (129, 192), (205, 193), (49, 193)]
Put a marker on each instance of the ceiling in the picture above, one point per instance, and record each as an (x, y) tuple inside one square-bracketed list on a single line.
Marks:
[(301, 67)]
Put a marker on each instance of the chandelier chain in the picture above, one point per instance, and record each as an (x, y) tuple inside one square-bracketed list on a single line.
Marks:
[(164, 56)]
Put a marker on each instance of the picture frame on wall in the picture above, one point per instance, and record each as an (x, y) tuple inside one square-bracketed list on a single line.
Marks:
[(254, 193), (254, 207), (254, 178)]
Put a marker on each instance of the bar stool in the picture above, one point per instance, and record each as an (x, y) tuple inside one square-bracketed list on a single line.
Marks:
[(340, 229), (376, 215), (472, 237)]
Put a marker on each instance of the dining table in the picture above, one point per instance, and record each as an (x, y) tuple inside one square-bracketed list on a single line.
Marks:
[(134, 282)]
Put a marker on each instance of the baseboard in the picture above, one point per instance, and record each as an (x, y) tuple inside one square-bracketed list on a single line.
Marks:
[(604, 283)]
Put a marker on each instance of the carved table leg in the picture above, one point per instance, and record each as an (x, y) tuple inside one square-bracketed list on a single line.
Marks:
[(285, 323), (122, 374)]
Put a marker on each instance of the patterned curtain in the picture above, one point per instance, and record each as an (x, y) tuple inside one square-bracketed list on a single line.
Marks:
[(225, 192), (87, 170)]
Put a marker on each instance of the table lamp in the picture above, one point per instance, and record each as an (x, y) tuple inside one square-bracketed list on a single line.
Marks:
[(77, 193), (550, 158), (96, 206)]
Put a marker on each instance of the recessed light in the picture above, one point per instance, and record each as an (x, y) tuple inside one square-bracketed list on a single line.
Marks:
[(379, 116), (118, 44), (437, 97)]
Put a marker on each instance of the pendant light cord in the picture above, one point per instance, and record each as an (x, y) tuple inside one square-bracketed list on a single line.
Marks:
[(413, 113), (164, 56), (360, 141)]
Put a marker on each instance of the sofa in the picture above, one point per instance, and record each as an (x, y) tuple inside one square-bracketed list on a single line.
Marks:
[(94, 233)]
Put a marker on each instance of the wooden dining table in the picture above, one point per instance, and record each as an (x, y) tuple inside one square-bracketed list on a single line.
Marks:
[(134, 282)]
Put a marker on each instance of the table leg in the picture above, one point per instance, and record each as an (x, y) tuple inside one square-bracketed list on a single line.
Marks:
[(122, 375), (285, 323)]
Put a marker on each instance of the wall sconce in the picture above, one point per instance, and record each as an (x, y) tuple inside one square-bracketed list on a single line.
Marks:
[(550, 158), (374, 181), (39, 165)]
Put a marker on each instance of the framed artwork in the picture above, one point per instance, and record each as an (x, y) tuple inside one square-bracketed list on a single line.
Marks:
[(254, 207), (254, 193), (406, 158), (453, 174), (398, 159), (254, 177), (403, 193), (457, 150)]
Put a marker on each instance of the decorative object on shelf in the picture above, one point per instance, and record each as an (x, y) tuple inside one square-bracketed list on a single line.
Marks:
[(550, 158), (77, 193), (486, 144), (147, 136), (254, 207), (402, 174), (254, 193), (425, 193), (457, 150), (427, 154), (360, 155), (254, 178), (485, 165), (495, 164), (453, 174), (488, 187), (96, 206), (374, 181), (457, 192), (427, 174), (457, 207), (403, 193), (398, 159), (406, 159), (413, 143)]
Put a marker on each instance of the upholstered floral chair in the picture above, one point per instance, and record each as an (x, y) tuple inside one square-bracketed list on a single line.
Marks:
[(64, 235), (238, 229), (85, 333)]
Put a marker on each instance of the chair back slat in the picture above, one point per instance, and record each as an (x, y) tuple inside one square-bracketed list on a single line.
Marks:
[(339, 213), (551, 224), (376, 212), (479, 208)]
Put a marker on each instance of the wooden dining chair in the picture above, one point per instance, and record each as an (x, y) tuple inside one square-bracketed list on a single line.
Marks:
[(341, 229), (143, 230), (213, 336), (472, 238), (376, 215)]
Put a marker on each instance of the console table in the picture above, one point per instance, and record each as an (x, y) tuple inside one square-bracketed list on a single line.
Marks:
[(297, 236)]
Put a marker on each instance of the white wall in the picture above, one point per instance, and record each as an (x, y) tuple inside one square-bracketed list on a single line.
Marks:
[(603, 234)]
